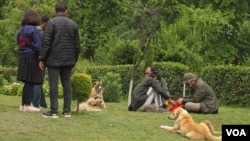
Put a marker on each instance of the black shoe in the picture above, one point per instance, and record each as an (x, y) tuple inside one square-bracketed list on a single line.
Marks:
[(216, 111), (50, 115)]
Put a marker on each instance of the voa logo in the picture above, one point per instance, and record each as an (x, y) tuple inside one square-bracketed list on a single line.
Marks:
[(236, 132)]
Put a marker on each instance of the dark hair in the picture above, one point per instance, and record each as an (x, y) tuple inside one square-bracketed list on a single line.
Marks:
[(152, 68), (44, 19), (31, 17), (60, 7), (155, 74)]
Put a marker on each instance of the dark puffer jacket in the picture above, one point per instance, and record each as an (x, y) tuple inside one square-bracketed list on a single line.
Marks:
[(60, 44)]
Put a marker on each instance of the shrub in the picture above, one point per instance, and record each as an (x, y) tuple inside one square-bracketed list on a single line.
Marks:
[(112, 87), (11, 89), (1, 79), (81, 87)]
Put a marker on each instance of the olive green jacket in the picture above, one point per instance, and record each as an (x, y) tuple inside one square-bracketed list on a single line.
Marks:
[(202, 93), (139, 95)]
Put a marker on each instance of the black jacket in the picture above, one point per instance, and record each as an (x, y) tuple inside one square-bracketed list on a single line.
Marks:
[(60, 42)]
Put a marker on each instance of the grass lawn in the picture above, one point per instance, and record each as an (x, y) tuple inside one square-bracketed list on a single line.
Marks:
[(113, 124)]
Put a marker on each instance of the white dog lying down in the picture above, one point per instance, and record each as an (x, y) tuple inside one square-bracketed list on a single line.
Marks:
[(92, 104), (185, 125)]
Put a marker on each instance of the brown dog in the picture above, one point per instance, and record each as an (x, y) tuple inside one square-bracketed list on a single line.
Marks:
[(92, 104), (185, 125), (97, 91)]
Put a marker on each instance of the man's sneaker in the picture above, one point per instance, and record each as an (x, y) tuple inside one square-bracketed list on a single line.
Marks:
[(67, 115), (50, 115)]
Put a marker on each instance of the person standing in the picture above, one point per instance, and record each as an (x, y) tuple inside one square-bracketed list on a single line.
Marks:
[(29, 43), (202, 98), (59, 53), (38, 97)]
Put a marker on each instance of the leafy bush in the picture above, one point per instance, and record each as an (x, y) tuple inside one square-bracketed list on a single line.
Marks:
[(9, 74), (11, 89), (112, 87), (81, 86), (1, 79)]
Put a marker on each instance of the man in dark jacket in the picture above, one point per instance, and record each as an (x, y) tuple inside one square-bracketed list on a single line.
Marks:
[(163, 84), (59, 53), (145, 93), (202, 98)]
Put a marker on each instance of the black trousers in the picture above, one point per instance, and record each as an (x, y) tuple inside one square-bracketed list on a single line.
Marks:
[(27, 93), (64, 73)]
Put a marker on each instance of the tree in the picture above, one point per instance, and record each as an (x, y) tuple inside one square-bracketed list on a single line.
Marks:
[(145, 20), (96, 20), (190, 40), (12, 12)]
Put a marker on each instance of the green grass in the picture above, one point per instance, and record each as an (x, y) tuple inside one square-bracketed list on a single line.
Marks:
[(113, 124)]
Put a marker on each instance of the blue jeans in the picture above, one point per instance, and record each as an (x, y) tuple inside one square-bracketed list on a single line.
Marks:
[(38, 98), (64, 73)]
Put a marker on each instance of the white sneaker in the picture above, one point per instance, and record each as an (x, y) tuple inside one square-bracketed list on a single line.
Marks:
[(31, 109), (21, 107)]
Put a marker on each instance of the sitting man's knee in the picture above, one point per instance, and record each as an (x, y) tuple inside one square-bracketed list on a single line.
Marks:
[(193, 107)]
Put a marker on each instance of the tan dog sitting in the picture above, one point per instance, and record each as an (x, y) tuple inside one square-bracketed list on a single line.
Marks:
[(92, 104), (97, 90)]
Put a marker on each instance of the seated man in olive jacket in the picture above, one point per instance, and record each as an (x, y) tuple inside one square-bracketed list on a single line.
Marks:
[(202, 98), (145, 93)]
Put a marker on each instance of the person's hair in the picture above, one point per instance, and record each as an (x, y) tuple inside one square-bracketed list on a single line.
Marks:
[(31, 17), (44, 19), (152, 68), (60, 7), (155, 74)]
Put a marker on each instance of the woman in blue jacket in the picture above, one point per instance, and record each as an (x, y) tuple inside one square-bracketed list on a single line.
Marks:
[(29, 43)]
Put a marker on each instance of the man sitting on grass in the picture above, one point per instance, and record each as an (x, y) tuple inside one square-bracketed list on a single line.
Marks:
[(144, 96), (202, 98)]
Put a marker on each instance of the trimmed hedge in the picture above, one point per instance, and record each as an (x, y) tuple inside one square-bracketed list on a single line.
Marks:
[(231, 83)]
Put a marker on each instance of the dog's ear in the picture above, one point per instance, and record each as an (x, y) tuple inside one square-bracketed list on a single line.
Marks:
[(94, 83), (178, 111)]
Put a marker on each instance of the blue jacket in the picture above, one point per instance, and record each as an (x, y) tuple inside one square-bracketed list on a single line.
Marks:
[(29, 41)]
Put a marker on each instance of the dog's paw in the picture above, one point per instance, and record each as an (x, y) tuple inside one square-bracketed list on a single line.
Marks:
[(163, 126), (166, 127)]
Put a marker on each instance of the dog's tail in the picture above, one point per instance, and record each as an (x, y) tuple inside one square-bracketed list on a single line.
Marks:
[(210, 130), (213, 138), (210, 127)]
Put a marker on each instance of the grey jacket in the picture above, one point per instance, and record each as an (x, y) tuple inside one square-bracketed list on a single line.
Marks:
[(60, 43), (139, 95), (202, 93)]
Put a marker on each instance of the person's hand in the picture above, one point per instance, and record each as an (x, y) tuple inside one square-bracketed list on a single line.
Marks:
[(41, 65), (179, 100), (172, 102)]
